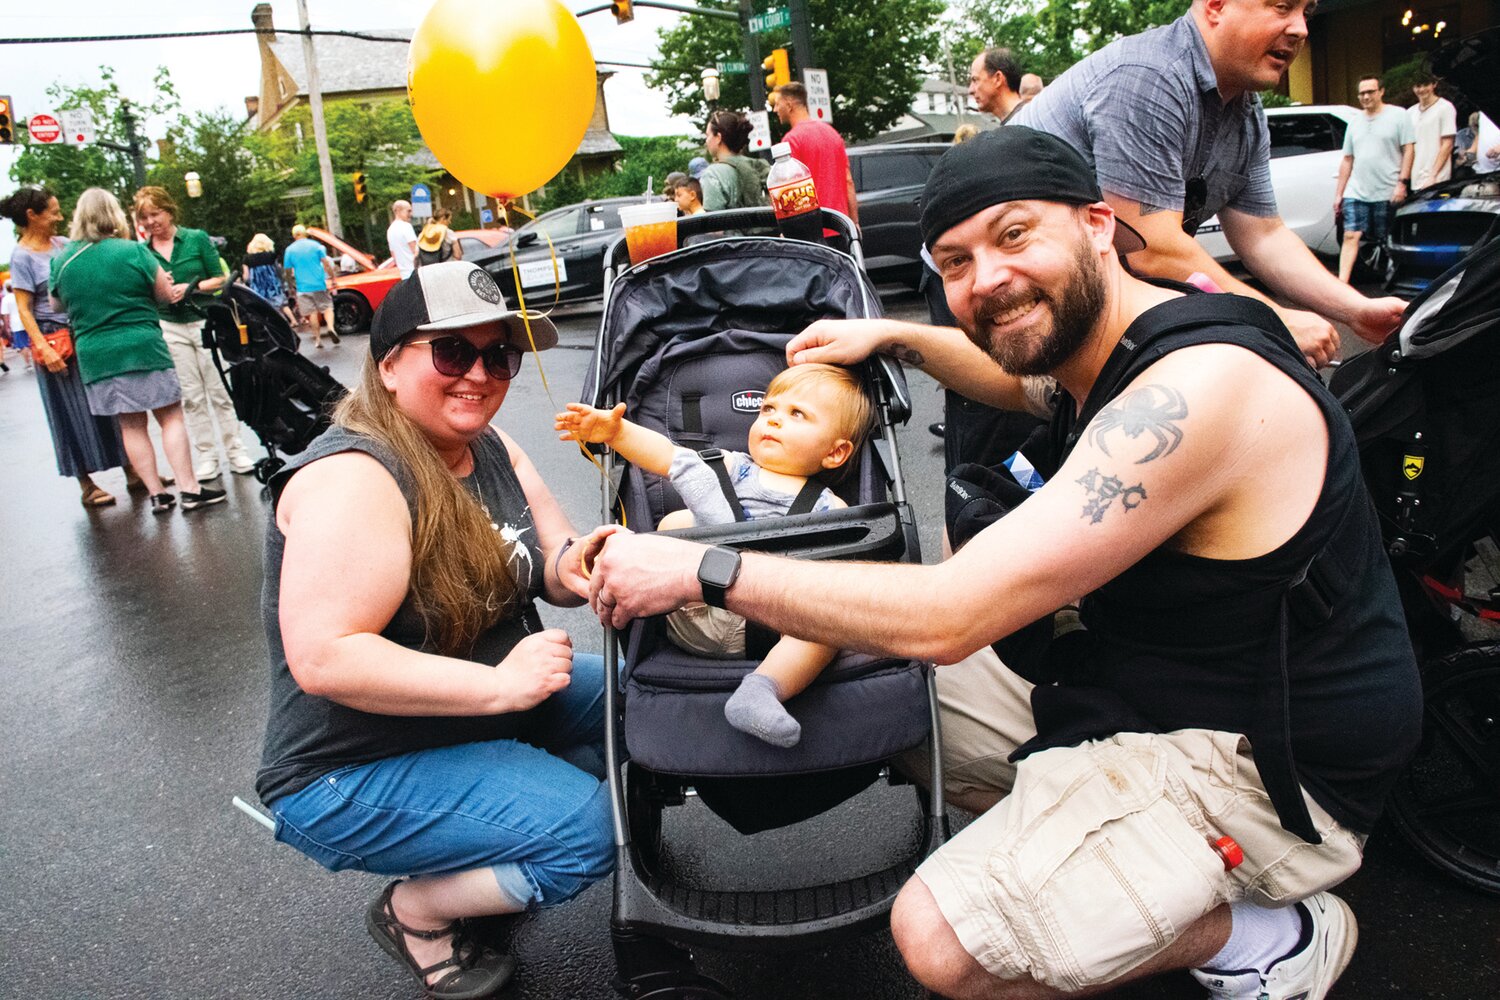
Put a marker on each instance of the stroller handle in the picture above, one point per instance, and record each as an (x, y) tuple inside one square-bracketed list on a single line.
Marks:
[(734, 219)]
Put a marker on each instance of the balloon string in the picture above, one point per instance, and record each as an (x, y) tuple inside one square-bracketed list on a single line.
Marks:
[(526, 317)]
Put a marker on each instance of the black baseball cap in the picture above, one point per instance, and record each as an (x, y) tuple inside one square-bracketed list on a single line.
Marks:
[(1010, 163), (450, 296)]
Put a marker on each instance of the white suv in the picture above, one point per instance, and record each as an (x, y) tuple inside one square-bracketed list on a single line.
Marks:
[(1306, 148)]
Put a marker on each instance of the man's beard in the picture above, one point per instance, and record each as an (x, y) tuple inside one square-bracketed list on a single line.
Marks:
[(1075, 309)]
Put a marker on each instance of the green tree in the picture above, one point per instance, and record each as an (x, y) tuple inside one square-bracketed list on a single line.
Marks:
[(378, 137), (875, 52), (646, 157), (1048, 37), (242, 193), (69, 170)]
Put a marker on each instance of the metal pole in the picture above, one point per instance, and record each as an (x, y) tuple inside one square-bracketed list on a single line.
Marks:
[(320, 132), (133, 146), (801, 35), (963, 102), (752, 59)]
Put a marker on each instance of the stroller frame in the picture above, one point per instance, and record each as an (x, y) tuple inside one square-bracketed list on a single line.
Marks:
[(650, 912)]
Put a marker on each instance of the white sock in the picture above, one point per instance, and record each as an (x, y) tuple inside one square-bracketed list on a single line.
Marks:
[(1258, 938)]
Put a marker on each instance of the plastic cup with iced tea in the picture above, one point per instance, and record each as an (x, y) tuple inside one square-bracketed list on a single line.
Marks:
[(650, 229)]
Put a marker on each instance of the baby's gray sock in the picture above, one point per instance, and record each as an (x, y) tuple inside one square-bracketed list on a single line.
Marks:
[(755, 708)]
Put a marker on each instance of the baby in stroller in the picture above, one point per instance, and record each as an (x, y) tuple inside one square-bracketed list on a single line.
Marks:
[(814, 417)]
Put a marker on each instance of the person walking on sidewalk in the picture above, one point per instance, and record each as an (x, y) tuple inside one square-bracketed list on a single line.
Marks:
[(311, 271), (189, 258), (820, 147), (1434, 123), (83, 443), (110, 286), (1375, 175)]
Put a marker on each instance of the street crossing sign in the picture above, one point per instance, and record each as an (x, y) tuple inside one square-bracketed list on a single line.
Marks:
[(45, 129), (78, 126), (819, 98), (760, 131), (776, 17)]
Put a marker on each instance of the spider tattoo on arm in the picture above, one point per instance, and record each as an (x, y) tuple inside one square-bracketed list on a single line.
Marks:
[(1149, 410)]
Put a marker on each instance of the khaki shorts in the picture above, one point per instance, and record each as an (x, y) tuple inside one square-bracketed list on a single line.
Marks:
[(708, 631), (309, 302), (1099, 855)]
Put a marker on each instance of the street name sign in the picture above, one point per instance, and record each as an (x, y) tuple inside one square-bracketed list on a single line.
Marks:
[(776, 17), (726, 68)]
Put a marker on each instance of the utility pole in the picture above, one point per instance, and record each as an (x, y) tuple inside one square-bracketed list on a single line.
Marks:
[(752, 58), (963, 102), (320, 131)]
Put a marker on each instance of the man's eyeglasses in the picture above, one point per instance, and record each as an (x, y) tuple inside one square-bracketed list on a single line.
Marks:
[(455, 357)]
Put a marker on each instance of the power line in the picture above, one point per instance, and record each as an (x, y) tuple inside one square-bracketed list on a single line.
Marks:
[(197, 34)]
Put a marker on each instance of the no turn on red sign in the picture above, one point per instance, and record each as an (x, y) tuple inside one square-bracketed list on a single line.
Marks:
[(45, 129)]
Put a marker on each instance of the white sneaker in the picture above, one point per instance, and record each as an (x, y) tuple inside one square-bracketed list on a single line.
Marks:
[(242, 464), (1307, 974), (204, 471)]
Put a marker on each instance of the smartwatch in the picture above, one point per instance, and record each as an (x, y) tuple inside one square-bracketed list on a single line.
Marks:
[(717, 572)]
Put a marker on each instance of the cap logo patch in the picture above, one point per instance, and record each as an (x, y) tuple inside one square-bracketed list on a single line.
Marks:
[(484, 286), (748, 400)]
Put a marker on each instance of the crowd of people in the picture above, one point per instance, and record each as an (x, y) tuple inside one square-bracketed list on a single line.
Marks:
[(424, 725)]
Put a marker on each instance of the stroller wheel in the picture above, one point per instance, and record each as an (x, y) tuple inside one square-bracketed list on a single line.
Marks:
[(1447, 800)]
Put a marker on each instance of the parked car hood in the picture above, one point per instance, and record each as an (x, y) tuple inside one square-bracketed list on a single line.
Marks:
[(359, 257)]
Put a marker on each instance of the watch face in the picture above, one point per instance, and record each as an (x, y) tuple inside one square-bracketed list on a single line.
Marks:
[(719, 567)]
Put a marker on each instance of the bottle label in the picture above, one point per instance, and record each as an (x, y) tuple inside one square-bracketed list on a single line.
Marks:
[(795, 198)]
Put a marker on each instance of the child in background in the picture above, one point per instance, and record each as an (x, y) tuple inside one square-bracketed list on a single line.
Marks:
[(813, 419)]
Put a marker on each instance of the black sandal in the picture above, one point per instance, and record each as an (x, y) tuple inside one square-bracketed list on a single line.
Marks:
[(477, 971)]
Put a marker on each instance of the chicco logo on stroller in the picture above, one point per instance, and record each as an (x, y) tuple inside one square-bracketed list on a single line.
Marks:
[(748, 400)]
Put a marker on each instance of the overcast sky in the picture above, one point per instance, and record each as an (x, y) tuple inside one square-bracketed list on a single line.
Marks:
[(214, 73)]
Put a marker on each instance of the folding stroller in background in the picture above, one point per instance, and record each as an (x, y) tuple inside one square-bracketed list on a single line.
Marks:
[(688, 342), (285, 398)]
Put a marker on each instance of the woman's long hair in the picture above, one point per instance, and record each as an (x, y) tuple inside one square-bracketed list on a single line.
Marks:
[(461, 580), (98, 217)]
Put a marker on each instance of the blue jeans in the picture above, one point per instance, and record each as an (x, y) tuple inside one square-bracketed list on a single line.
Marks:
[(531, 808)]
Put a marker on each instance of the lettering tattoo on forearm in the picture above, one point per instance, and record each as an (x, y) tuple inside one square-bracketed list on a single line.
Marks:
[(1102, 490), (906, 355), (1151, 409)]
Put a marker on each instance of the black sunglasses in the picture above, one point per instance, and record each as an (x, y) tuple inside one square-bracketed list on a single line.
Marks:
[(455, 357)]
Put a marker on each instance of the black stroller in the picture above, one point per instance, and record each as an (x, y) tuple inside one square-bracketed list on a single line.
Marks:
[(689, 342), (285, 398), (1426, 410)]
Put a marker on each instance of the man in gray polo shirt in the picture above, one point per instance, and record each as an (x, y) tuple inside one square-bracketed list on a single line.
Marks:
[(1172, 123)]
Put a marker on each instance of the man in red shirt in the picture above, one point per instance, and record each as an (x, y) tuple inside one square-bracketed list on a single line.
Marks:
[(819, 146)]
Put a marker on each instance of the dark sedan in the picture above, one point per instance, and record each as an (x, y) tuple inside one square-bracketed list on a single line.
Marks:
[(888, 180), (579, 235)]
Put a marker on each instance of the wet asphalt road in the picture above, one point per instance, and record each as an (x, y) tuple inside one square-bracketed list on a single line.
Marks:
[(134, 702)]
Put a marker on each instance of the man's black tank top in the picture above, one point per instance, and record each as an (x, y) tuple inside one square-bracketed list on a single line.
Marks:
[(1303, 649), (308, 736)]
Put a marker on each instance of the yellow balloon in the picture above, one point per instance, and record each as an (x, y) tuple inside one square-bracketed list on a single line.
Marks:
[(503, 90)]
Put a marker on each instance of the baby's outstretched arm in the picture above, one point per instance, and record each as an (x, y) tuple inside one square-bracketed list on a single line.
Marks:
[(645, 449)]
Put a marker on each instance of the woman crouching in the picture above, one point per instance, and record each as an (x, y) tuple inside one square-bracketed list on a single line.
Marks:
[(422, 721)]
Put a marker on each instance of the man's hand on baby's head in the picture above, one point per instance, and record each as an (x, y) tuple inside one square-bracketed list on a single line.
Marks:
[(837, 341), (589, 424)]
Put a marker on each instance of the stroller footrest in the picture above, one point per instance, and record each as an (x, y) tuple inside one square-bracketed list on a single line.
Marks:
[(800, 917)]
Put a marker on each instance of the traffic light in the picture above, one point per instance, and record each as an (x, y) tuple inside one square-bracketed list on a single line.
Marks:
[(778, 69), (359, 187), (7, 123), (622, 11)]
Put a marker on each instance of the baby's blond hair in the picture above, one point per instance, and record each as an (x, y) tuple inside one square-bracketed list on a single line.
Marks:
[(852, 414)]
